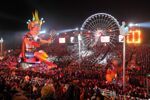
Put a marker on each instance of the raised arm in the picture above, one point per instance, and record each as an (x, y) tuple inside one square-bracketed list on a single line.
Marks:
[(45, 41)]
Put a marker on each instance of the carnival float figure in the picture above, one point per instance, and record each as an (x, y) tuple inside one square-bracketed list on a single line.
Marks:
[(32, 41)]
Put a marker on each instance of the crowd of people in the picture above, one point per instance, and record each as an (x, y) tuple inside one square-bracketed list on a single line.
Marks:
[(74, 82)]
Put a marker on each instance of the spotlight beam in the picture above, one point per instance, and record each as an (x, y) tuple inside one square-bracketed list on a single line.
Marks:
[(144, 24), (67, 30)]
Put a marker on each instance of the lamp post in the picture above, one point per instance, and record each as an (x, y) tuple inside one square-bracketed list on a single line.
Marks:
[(1, 43), (124, 31), (124, 60), (79, 43)]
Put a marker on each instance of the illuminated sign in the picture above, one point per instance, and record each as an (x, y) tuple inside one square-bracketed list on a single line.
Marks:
[(62, 40), (105, 39), (134, 37), (121, 38)]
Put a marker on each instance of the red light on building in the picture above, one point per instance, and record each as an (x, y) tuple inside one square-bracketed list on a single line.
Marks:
[(134, 37)]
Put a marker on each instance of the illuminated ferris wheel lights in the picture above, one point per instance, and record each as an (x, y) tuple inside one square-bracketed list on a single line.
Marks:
[(101, 24), (99, 33), (110, 30), (89, 31)]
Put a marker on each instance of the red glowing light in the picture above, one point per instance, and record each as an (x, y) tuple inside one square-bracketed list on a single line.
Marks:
[(134, 37)]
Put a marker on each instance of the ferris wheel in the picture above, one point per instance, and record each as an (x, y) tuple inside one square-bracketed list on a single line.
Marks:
[(95, 27), (101, 24)]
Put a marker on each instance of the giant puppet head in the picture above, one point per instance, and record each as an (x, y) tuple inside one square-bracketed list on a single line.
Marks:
[(35, 25)]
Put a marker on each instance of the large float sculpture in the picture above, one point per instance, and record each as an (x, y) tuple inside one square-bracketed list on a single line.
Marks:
[(31, 41)]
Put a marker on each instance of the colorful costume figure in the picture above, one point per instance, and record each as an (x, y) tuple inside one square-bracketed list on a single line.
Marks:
[(31, 42)]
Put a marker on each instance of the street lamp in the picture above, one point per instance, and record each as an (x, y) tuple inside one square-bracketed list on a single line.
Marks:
[(1, 42), (124, 31), (79, 43)]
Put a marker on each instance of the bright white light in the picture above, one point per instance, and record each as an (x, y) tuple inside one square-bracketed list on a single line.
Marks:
[(9, 51), (131, 24), (79, 37), (1, 40), (43, 31), (105, 39), (62, 40), (81, 28), (144, 24), (76, 28), (30, 65), (42, 18), (72, 39), (136, 24)]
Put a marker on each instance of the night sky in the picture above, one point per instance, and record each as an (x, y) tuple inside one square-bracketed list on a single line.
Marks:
[(64, 14)]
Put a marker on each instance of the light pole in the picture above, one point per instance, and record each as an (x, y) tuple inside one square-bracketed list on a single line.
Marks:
[(1, 42), (79, 43), (124, 60), (124, 31)]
